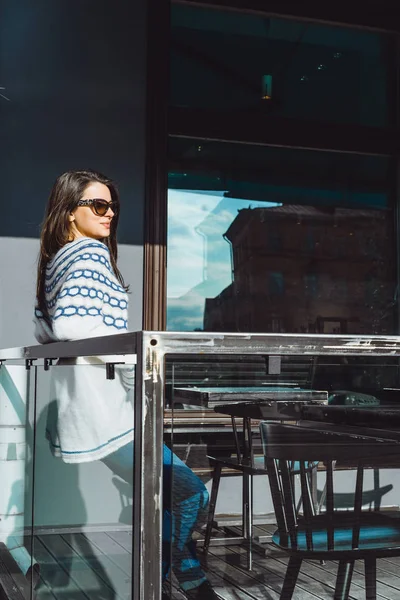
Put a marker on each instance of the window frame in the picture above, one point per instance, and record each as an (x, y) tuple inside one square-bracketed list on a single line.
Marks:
[(164, 122)]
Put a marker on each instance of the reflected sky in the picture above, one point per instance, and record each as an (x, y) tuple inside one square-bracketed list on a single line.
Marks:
[(199, 257)]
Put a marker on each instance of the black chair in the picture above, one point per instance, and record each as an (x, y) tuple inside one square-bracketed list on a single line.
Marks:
[(333, 534), (247, 464)]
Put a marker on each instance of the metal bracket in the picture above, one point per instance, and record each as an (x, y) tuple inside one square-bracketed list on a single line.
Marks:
[(110, 369), (28, 363), (47, 363)]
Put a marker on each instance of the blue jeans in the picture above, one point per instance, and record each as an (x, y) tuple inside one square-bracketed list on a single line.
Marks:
[(185, 501)]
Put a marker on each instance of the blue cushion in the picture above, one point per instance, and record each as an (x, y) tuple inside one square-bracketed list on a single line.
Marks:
[(375, 533)]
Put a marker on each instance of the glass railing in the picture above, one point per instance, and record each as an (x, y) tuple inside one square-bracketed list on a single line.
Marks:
[(89, 510), (67, 459)]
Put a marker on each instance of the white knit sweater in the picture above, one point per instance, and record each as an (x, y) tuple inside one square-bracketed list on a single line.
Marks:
[(89, 416)]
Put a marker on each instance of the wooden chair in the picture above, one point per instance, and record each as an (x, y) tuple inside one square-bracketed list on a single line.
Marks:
[(333, 534)]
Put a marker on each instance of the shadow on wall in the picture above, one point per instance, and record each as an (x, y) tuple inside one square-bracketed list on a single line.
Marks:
[(62, 501)]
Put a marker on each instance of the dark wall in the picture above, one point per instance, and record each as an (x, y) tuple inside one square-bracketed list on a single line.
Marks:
[(74, 76)]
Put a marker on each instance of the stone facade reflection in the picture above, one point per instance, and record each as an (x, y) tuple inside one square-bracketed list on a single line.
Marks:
[(306, 269)]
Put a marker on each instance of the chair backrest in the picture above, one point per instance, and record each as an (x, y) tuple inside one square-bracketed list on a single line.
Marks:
[(284, 444)]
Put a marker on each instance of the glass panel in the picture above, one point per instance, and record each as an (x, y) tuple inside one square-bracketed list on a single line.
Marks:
[(17, 387), (237, 61), (278, 240), (83, 480), (204, 391)]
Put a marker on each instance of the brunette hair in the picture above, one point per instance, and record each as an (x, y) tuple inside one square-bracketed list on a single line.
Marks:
[(64, 196)]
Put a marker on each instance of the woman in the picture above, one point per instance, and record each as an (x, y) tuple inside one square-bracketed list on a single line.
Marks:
[(81, 294)]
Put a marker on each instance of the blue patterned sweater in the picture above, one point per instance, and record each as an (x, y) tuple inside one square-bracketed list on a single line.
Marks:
[(91, 416), (83, 296)]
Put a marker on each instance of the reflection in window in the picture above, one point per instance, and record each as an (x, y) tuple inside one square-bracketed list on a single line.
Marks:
[(311, 285), (275, 284), (228, 60), (279, 249), (275, 241), (201, 260)]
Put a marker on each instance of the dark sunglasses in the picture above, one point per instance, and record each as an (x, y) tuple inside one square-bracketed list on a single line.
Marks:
[(99, 206)]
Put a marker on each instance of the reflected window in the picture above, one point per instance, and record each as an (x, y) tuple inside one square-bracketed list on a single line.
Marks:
[(275, 284), (265, 239), (311, 285), (275, 241), (227, 60)]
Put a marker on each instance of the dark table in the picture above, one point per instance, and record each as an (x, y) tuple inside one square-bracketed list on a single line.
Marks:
[(262, 409), (212, 397)]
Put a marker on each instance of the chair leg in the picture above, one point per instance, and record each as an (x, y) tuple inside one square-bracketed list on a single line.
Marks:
[(292, 572), (370, 578), (314, 489), (343, 580), (211, 508), (248, 517)]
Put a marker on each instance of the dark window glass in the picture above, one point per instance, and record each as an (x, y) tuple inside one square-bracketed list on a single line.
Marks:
[(270, 239), (275, 284), (311, 285), (236, 61)]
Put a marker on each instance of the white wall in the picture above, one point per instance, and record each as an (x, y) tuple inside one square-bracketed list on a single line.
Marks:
[(18, 283)]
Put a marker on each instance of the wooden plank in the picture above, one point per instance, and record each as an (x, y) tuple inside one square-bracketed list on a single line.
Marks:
[(102, 544), (317, 571), (54, 576), (91, 579), (8, 588), (13, 584), (267, 575), (358, 579), (390, 567), (42, 591), (123, 538), (387, 584), (234, 584), (327, 572), (94, 574)]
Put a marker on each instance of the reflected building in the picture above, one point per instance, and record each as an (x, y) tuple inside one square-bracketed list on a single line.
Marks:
[(305, 269)]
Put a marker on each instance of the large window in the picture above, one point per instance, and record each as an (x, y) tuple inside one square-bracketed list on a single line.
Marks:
[(233, 61), (282, 195), (299, 238)]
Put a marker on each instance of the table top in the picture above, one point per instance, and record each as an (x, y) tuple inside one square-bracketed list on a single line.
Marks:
[(384, 417), (215, 396), (281, 410)]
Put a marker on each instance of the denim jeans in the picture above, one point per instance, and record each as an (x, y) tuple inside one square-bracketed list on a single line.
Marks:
[(185, 501)]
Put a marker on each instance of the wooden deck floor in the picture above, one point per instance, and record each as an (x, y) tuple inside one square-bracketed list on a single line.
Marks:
[(97, 566)]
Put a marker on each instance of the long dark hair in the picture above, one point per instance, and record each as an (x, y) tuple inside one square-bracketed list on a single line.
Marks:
[(66, 192)]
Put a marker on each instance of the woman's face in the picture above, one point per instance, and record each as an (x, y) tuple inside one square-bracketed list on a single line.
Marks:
[(83, 220)]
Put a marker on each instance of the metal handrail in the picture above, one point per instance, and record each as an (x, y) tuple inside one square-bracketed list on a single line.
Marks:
[(212, 343), (150, 349)]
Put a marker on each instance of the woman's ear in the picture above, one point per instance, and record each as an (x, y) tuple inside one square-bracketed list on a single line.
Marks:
[(71, 217)]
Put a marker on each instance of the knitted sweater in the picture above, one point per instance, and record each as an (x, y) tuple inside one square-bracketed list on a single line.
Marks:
[(89, 416)]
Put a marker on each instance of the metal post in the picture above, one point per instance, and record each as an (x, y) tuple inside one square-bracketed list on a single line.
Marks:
[(147, 534), (147, 504)]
